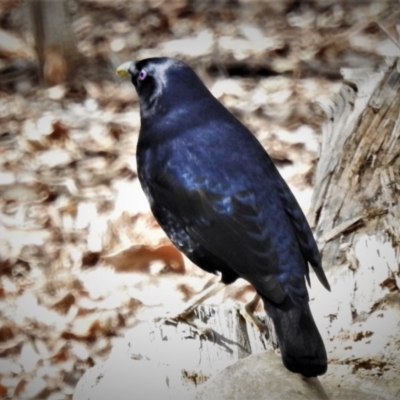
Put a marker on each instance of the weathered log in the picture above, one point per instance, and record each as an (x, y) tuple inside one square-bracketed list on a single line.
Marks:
[(356, 215), (358, 174), (175, 358), (54, 39)]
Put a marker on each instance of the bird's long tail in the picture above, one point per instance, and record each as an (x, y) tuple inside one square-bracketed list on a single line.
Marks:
[(300, 342)]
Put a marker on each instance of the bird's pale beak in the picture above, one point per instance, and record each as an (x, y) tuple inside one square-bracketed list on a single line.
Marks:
[(123, 69)]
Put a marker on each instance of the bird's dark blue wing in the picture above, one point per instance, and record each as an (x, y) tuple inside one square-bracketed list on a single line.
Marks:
[(302, 230), (254, 237)]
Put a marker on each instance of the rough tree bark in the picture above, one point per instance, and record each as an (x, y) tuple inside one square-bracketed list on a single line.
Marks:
[(356, 215), (358, 175), (54, 39)]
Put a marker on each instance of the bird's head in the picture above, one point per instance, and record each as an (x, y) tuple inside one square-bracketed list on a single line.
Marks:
[(162, 84)]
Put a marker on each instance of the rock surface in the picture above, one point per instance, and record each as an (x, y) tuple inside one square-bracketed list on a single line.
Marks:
[(258, 377)]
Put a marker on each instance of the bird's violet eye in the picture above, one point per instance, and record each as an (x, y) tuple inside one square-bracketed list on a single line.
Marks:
[(142, 75)]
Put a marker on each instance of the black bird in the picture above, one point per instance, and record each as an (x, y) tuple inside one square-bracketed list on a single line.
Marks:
[(216, 193)]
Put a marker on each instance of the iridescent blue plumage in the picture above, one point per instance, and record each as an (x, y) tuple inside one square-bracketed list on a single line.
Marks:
[(218, 196)]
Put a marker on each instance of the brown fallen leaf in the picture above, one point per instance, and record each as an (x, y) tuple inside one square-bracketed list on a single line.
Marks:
[(64, 304), (3, 390), (31, 389), (139, 258), (90, 259), (93, 325), (60, 132), (6, 332)]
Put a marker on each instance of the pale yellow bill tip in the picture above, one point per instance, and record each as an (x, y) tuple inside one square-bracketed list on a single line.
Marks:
[(123, 70)]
